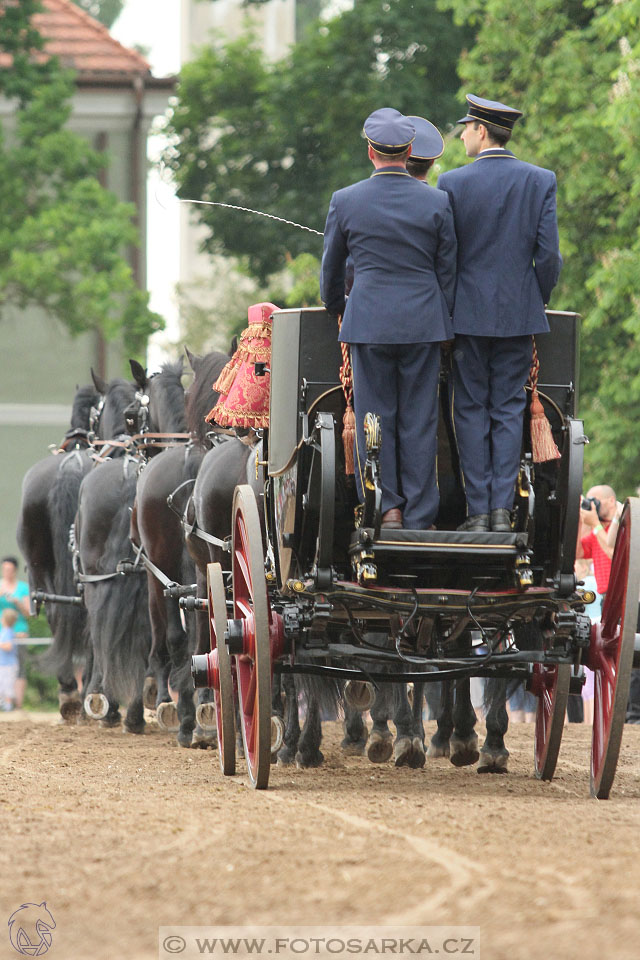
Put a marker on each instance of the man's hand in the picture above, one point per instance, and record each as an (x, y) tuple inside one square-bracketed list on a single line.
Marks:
[(589, 517)]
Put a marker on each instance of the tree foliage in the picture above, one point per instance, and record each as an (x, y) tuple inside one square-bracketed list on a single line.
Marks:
[(282, 137), (62, 235), (106, 11)]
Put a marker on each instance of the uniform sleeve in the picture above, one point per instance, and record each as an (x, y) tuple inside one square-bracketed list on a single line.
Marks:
[(547, 259), (334, 256), (446, 257)]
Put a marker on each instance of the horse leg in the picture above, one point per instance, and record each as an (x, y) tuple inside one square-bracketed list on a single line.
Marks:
[(308, 753), (439, 745), (355, 732), (463, 743), (134, 721), (494, 755), (408, 750), (380, 743), (288, 750), (205, 710), (417, 710)]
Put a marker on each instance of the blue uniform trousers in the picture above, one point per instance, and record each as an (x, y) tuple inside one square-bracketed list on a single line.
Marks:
[(488, 407), (399, 383)]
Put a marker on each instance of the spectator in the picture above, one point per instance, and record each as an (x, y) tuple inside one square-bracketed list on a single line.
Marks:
[(14, 595), (8, 659)]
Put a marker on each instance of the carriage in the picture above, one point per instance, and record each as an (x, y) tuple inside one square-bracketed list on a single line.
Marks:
[(311, 586)]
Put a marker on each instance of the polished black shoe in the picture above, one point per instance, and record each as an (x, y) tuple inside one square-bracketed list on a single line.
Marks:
[(501, 521), (479, 522)]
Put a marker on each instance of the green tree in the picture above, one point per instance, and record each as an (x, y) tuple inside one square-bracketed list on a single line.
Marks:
[(282, 137), (62, 235), (559, 62), (106, 11)]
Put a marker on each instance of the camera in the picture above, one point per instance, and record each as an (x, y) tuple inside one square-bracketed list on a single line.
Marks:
[(586, 502)]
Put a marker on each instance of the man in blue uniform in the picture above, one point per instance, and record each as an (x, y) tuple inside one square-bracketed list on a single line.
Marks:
[(508, 264), (400, 235)]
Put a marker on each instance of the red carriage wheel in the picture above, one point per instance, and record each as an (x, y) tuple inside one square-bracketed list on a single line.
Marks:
[(611, 652), (253, 665), (222, 679), (550, 684)]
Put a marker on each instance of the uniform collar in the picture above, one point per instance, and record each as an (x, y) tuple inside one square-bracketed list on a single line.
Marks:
[(493, 152), (399, 171)]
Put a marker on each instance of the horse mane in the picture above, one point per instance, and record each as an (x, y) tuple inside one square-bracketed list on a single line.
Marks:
[(168, 383), (200, 397), (119, 395), (85, 398)]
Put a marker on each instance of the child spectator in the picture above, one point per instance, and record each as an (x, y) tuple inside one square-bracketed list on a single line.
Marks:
[(8, 659)]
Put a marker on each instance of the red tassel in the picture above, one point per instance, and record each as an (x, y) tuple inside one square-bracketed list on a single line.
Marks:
[(543, 446), (348, 439)]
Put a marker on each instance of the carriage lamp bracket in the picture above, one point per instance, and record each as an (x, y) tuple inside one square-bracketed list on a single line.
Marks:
[(260, 368)]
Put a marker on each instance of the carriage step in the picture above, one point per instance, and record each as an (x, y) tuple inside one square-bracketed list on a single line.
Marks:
[(449, 543)]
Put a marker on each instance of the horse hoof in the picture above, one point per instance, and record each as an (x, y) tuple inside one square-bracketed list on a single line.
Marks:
[(206, 716), (136, 728), (277, 734), (150, 693), (464, 752), (167, 716), (96, 706), (201, 740), (112, 721), (239, 747), (409, 752), (353, 748), (437, 750), (417, 756), (379, 748), (285, 756), (493, 763), (402, 751), (70, 705), (359, 694), (307, 760)]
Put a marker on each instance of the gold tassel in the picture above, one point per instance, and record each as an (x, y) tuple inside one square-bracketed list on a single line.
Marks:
[(348, 439), (543, 446)]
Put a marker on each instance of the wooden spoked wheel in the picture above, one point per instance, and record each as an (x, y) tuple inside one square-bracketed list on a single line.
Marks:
[(222, 678), (253, 665), (611, 652), (550, 684)]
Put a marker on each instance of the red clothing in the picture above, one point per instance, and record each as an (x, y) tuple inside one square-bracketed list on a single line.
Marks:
[(601, 562)]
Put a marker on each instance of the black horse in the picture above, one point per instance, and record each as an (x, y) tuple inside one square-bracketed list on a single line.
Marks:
[(47, 509), (117, 607), (157, 527)]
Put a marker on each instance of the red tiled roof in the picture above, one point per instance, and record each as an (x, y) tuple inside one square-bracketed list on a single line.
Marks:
[(83, 43)]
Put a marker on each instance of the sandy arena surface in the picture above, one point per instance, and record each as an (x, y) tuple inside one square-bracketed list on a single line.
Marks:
[(122, 834)]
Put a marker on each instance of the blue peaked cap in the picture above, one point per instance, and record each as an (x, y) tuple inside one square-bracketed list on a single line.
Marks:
[(428, 143), (388, 131), (490, 111)]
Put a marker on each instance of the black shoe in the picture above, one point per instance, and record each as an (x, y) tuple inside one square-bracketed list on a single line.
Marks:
[(479, 522), (501, 521)]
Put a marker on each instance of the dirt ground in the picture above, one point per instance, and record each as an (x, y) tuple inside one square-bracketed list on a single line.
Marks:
[(122, 834)]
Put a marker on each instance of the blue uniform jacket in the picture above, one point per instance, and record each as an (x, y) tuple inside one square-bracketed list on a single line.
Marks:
[(400, 234), (508, 255)]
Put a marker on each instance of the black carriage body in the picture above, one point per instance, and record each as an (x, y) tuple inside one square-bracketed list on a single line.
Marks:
[(305, 382), (338, 578)]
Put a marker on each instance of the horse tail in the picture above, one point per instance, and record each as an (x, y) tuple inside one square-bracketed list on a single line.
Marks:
[(120, 618), (68, 623)]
